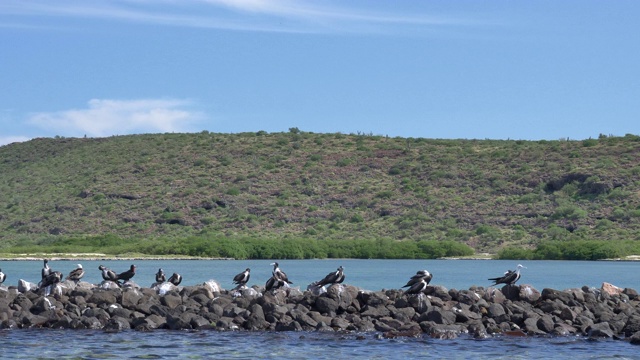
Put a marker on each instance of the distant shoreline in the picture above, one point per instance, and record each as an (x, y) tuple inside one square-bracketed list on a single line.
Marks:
[(104, 257), (100, 257)]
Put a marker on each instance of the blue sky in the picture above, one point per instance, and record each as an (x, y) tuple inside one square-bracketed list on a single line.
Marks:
[(434, 69)]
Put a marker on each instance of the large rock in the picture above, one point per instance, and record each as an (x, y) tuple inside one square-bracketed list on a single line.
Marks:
[(511, 292), (105, 298), (326, 305), (635, 338), (24, 286), (441, 316), (529, 294), (633, 325), (131, 298), (213, 286), (116, 324), (494, 295), (611, 289), (600, 330), (552, 294), (171, 300)]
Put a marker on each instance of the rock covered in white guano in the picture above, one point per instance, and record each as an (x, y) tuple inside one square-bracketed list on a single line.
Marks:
[(24, 286), (213, 285)]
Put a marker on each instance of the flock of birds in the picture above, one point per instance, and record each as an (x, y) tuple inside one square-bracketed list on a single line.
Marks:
[(416, 284)]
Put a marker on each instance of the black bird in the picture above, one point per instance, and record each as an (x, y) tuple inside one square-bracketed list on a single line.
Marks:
[(335, 277), (108, 274), (76, 274), (279, 274), (51, 279), (242, 279), (273, 283), (421, 274), (3, 277), (510, 277), (418, 287), (160, 278), (175, 279), (46, 270), (127, 275)]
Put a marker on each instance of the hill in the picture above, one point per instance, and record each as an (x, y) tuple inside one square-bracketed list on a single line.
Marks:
[(488, 194)]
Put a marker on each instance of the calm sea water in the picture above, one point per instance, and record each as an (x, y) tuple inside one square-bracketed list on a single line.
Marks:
[(366, 274)]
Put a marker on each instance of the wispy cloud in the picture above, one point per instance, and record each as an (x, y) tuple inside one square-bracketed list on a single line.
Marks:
[(246, 15), (105, 117)]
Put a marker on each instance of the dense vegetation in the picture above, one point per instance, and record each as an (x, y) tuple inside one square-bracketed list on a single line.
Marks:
[(302, 195)]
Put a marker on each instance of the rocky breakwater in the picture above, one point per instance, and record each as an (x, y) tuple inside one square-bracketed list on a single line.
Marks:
[(515, 310)]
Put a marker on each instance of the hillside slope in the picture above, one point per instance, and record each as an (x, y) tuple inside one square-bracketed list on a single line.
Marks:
[(484, 193)]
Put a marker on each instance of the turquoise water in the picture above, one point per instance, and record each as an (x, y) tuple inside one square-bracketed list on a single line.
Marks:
[(366, 274)]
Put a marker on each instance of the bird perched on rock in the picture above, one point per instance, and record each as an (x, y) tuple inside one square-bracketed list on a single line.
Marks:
[(279, 274), (509, 278), (46, 270), (421, 274), (175, 279), (51, 279), (418, 287), (76, 274), (127, 275), (273, 283), (3, 277), (160, 278), (334, 277), (108, 274), (242, 279)]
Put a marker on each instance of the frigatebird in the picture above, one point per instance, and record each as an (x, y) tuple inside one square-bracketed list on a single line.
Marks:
[(76, 274), (46, 270), (279, 274), (242, 279), (127, 275), (334, 277), (160, 278), (108, 274), (509, 277), (421, 274), (175, 279), (51, 279), (273, 283), (418, 287)]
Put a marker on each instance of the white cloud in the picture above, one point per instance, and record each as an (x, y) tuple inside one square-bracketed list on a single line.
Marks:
[(105, 117), (245, 15), (4, 140)]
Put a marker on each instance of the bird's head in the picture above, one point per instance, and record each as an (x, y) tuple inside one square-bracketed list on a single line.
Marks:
[(100, 267)]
